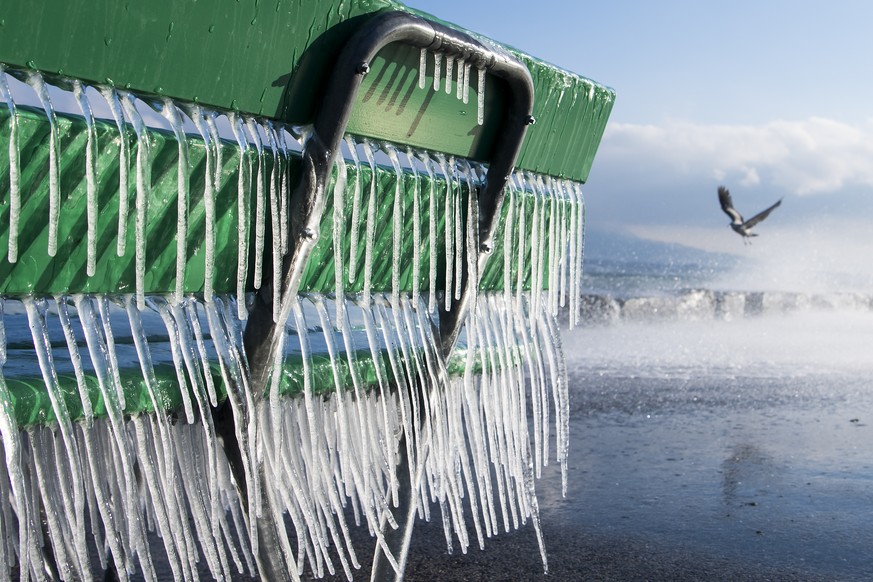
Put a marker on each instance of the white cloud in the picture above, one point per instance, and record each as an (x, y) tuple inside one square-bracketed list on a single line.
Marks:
[(812, 156)]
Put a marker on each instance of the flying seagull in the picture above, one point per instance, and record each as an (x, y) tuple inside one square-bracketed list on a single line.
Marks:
[(740, 226)]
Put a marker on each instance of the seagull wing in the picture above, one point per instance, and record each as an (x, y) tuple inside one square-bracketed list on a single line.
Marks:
[(761, 216), (724, 197)]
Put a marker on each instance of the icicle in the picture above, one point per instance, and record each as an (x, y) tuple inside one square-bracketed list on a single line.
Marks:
[(110, 95), (459, 82), (397, 224), (209, 117), (422, 69), (534, 242), (143, 190), (480, 97), (244, 177), (342, 418), (450, 64), (284, 193), (371, 223), (260, 203), (466, 90), (551, 195), (356, 210), (339, 227), (36, 81), (542, 241), (449, 232), (563, 229), (75, 359), (172, 114), (159, 304), (472, 236), (90, 176), (579, 242), (275, 228), (560, 394), (416, 227), (330, 505), (112, 357), (459, 229), (437, 72), (14, 168), (195, 112), (573, 248), (193, 319), (508, 239), (432, 227)]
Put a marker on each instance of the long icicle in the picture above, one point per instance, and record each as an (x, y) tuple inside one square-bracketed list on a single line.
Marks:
[(416, 227), (113, 100), (243, 194), (431, 233), (37, 83), (90, 176), (339, 228), (14, 168), (199, 117), (371, 222), (260, 202), (449, 231), (143, 190), (174, 116), (356, 209), (397, 223), (275, 212)]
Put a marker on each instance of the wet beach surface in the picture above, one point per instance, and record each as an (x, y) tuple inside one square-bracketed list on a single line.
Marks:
[(771, 491), (775, 493), (690, 465)]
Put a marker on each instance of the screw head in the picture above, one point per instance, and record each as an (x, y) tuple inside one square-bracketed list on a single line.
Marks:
[(530, 120), (363, 68)]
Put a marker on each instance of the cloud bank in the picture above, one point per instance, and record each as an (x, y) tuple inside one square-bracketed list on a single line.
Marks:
[(667, 173), (808, 157)]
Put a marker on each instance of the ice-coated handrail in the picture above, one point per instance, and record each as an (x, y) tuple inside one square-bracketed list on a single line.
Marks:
[(265, 329), (308, 199)]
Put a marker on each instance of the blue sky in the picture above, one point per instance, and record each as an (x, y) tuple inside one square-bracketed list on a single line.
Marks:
[(772, 98)]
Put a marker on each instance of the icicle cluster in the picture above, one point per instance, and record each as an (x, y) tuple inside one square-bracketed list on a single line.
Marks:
[(107, 483), (105, 472), (466, 438), (267, 183), (543, 248), (457, 71)]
